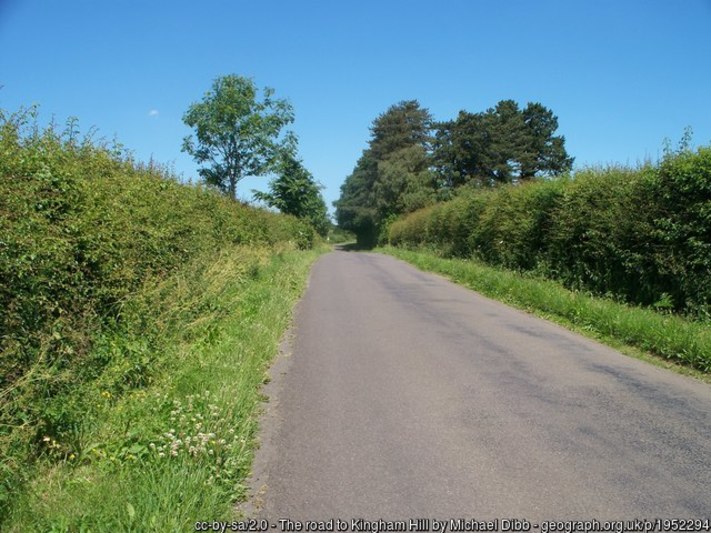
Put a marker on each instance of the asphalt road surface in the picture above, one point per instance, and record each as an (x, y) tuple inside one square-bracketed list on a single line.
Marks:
[(404, 396)]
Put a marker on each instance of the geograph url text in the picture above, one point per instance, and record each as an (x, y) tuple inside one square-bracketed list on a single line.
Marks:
[(460, 525)]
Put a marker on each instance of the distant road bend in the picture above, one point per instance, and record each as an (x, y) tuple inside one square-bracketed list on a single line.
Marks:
[(406, 396)]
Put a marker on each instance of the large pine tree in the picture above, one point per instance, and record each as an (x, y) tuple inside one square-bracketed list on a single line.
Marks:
[(393, 175), (501, 145)]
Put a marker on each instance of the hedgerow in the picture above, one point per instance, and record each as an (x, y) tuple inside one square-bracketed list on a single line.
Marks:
[(640, 235), (84, 231)]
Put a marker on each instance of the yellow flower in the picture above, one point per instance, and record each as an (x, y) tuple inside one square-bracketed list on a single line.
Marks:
[(72, 456)]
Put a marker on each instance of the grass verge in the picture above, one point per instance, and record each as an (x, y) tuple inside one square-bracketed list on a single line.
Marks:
[(665, 340), (178, 450)]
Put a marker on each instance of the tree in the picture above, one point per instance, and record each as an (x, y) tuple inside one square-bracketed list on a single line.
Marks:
[(460, 150), (405, 167), (501, 145), (393, 175), (404, 182), (401, 126), (237, 134), (355, 208), (295, 192), (545, 152), (401, 142)]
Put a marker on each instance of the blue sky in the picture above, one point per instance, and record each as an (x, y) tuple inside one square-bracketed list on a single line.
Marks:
[(620, 75)]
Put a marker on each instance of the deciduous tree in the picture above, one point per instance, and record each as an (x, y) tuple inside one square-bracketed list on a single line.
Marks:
[(237, 134)]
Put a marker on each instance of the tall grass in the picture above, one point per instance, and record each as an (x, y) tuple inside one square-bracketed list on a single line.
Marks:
[(177, 451)]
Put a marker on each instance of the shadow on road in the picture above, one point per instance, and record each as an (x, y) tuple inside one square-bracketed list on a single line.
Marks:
[(352, 247)]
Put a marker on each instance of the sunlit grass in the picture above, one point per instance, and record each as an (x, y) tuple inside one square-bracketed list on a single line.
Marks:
[(179, 450)]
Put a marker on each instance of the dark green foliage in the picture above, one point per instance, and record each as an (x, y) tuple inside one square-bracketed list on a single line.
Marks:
[(406, 167), (641, 235), (404, 183), (500, 145), (459, 148), (355, 209), (544, 153), (83, 229), (601, 239), (392, 176), (236, 134), (682, 227), (403, 125), (295, 192)]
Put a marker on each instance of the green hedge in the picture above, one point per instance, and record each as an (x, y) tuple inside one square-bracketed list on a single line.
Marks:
[(84, 228), (641, 235)]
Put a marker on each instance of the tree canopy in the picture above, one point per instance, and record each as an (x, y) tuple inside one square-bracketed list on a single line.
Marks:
[(295, 192), (392, 176), (411, 161), (355, 209), (501, 145), (237, 134)]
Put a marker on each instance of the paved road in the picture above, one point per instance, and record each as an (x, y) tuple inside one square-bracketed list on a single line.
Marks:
[(408, 396)]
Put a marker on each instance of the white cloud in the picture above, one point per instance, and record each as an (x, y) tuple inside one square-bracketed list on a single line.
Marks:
[(153, 113)]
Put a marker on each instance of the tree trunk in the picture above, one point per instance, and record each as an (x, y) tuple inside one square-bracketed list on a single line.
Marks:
[(233, 188)]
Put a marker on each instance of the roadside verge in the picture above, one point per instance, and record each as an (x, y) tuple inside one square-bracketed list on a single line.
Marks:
[(662, 339), (178, 451)]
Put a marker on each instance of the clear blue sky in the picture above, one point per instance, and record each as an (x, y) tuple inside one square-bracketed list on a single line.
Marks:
[(620, 75)]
